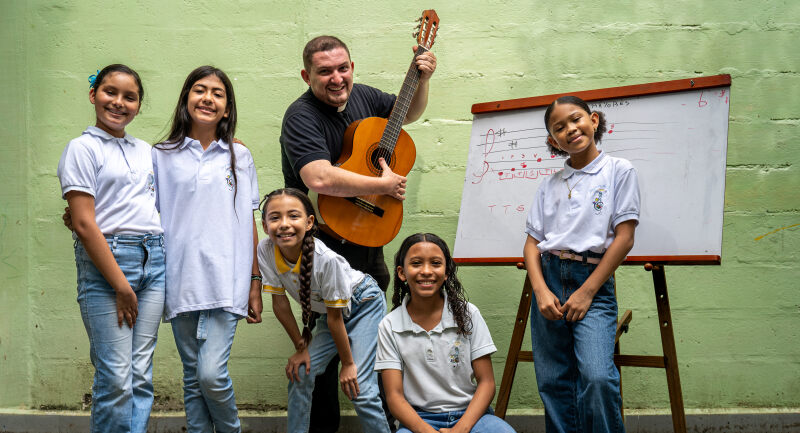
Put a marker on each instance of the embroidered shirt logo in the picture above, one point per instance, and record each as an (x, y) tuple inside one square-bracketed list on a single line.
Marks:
[(151, 184), (229, 179), (455, 354), (597, 199)]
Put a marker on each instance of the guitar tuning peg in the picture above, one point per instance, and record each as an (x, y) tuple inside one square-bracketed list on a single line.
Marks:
[(419, 19), (415, 34)]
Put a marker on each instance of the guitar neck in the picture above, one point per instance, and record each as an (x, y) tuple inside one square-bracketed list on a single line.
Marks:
[(395, 122)]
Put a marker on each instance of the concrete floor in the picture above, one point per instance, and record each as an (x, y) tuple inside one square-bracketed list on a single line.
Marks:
[(32, 421)]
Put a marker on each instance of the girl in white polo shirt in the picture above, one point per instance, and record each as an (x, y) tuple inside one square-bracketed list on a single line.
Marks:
[(580, 228), (346, 306), (106, 177), (434, 348), (207, 192)]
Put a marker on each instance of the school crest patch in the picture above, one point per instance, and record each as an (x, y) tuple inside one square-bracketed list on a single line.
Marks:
[(151, 184), (229, 179), (597, 199), (455, 353)]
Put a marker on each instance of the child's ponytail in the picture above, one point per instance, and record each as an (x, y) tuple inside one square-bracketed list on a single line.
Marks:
[(306, 267)]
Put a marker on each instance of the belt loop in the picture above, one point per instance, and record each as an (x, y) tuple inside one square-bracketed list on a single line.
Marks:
[(161, 240), (585, 257), (114, 243)]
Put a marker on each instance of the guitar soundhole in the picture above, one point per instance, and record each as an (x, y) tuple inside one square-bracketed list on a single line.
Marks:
[(375, 153)]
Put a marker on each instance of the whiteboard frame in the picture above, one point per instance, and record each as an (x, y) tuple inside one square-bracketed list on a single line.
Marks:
[(593, 95)]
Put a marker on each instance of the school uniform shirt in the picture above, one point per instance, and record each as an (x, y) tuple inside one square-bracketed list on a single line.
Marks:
[(118, 173), (209, 242), (436, 365), (604, 194), (332, 278)]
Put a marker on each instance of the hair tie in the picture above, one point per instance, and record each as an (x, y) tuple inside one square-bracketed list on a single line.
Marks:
[(93, 78)]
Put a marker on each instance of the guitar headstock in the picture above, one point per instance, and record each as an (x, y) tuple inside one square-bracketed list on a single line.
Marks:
[(426, 29)]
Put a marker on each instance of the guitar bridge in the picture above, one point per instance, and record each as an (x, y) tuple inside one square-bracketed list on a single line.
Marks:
[(367, 206)]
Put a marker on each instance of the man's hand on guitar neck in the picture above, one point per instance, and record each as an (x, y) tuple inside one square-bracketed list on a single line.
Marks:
[(426, 63)]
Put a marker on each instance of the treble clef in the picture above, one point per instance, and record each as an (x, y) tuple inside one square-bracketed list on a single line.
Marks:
[(487, 148)]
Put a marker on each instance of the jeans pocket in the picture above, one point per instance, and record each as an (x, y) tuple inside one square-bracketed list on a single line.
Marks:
[(367, 290), (369, 298)]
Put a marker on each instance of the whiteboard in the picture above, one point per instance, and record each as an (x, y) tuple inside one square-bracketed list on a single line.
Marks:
[(676, 141)]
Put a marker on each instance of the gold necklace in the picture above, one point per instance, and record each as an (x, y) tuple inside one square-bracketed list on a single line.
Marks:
[(569, 195)]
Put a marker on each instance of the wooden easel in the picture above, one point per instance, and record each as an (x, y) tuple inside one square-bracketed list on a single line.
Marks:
[(668, 361)]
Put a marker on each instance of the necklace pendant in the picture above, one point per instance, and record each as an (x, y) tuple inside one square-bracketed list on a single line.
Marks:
[(569, 195)]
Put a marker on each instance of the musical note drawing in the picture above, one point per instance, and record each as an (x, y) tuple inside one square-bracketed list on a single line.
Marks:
[(521, 154)]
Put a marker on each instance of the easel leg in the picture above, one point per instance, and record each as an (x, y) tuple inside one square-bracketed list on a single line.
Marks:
[(619, 369), (520, 324), (668, 346)]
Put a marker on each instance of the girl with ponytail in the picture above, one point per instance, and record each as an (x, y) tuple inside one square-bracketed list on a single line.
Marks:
[(341, 305)]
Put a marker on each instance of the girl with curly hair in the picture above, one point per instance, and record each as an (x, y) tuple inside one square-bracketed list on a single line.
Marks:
[(433, 344)]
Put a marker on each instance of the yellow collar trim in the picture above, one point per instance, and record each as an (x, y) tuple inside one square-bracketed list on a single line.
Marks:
[(280, 262)]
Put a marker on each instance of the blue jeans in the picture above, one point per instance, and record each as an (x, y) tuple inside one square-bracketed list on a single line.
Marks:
[(204, 339), (574, 361), (122, 392), (488, 423), (367, 308)]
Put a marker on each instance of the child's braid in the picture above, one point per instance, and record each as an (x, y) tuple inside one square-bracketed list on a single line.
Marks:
[(400, 291), (306, 267)]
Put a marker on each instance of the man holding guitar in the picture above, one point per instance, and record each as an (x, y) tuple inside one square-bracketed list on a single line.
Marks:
[(311, 140)]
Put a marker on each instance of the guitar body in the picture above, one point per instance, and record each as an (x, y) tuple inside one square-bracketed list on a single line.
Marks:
[(372, 220)]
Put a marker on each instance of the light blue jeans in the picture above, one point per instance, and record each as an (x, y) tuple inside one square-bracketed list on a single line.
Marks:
[(488, 423), (574, 361), (367, 308), (204, 339), (122, 392)]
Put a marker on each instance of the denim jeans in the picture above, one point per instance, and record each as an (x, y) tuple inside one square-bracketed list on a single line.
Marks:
[(574, 361), (488, 423), (204, 339), (122, 392), (367, 308)]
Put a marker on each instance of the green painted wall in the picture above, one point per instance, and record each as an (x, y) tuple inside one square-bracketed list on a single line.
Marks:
[(736, 325)]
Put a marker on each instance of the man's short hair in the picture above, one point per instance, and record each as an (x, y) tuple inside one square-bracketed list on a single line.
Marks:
[(321, 43)]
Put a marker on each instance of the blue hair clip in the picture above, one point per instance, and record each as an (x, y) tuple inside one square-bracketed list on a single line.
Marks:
[(93, 78)]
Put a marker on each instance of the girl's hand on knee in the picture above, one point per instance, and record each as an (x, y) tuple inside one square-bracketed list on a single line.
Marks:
[(297, 360), (576, 306), (348, 378), (127, 307), (549, 305)]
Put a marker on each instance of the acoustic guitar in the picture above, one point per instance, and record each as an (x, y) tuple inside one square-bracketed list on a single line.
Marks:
[(374, 220)]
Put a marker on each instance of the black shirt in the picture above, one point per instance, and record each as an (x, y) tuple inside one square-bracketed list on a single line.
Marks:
[(313, 130)]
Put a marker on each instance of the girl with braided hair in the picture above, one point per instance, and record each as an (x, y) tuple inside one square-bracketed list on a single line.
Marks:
[(341, 305), (434, 348)]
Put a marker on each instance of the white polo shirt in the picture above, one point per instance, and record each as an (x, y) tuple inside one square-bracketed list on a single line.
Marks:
[(118, 173), (332, 278), (209, 244), (604, 194), (436, 365)]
